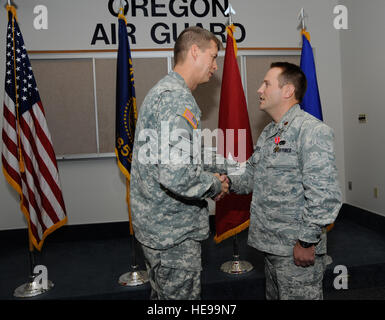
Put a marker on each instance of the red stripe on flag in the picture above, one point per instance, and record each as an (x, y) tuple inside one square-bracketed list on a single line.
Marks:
[(44, 202), (29, 159), (7, 114), (30, 197), (45, 141), (41, 163), (14, 175), (11, 146)]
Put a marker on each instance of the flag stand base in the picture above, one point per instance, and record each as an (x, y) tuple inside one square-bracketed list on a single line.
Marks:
[(133, 278), (236, 266), (32, 288)]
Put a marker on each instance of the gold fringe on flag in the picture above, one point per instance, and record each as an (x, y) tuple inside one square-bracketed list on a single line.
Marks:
[(232, 232), (230, 31), (306, 34), (12, 9)]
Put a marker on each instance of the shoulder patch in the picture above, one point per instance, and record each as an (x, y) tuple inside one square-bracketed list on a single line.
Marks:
[(189, 116)]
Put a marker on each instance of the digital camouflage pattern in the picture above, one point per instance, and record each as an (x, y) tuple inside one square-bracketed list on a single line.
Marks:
[(286, 281), (168, 199), (174, 273), (293, 177)]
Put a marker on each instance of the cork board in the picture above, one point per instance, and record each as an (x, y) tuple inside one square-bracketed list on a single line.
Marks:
[(78, 96)]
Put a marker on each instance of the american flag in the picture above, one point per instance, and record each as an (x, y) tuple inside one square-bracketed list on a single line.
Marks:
[(28, 158)]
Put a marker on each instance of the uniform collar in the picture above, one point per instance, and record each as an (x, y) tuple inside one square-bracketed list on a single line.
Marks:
[(289, 116), (179, 78), (194, 108), (284, 123)]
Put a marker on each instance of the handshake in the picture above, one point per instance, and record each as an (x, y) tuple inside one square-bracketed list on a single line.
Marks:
[(225, 186)]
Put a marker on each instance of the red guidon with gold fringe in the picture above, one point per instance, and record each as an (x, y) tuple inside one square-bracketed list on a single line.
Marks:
[(232, 213)]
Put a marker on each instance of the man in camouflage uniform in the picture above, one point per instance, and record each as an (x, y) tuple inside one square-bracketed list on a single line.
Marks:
[(293, 177), (169, 210)]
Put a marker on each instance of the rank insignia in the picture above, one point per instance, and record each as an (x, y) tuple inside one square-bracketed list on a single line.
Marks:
[(276, 149), (277, 140)]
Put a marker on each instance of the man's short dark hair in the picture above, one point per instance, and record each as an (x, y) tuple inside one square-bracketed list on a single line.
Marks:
[(292, 74), (193, 35)]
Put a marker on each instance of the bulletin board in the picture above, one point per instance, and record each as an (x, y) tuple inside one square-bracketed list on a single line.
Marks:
[(78, 94)]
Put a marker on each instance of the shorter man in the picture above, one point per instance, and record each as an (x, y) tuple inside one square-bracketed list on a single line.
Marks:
[(296, 194)]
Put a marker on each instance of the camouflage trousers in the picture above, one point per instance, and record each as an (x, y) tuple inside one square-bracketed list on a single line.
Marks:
[(175, 273), (286, 281)]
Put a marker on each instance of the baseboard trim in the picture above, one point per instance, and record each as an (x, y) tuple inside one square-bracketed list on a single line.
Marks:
[(362, 217), (110, 230)]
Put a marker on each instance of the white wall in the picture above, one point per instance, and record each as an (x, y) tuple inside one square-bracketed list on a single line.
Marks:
[(94, 190), (363, 69)]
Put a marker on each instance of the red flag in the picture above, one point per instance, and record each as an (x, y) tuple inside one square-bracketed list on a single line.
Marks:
[(232, 214), (28, 159)]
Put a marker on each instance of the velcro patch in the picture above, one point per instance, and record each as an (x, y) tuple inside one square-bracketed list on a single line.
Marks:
[(188, 115)]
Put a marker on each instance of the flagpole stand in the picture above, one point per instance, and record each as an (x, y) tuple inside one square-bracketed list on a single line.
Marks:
[(33, 287), (236, 266), (135, 277)]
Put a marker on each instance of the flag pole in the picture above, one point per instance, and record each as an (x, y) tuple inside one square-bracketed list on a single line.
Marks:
[(10, 3), (235, 266), (31, 288), (301, 18), (135, 277), (34, 286)]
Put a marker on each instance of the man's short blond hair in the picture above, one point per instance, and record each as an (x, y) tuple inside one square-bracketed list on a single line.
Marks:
[(193, 35)]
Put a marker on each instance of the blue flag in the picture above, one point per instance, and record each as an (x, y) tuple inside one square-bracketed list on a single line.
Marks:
[(126, 113), (311, 102)]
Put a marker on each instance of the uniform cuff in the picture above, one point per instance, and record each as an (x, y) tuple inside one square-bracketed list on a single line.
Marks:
[(310, 234), (216, 186)]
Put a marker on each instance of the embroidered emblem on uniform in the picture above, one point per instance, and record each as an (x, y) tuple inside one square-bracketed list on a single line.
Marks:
[(276, 141), (188, 115)]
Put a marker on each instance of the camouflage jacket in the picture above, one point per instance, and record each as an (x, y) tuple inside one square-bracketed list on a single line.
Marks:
[(293, 177), (168, 193)]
